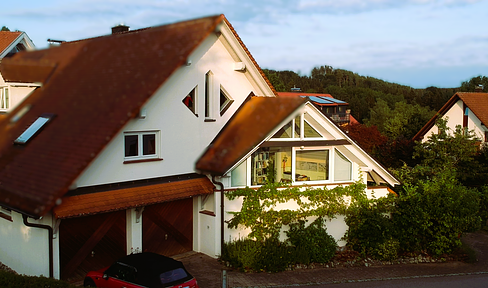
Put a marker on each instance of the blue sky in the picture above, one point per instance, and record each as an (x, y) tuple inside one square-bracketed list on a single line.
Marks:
[(419, 43)]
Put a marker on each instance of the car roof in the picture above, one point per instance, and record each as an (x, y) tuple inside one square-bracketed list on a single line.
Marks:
[(150, 265)]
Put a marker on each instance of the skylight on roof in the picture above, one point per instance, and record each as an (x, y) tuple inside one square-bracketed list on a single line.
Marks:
[(33, 129)]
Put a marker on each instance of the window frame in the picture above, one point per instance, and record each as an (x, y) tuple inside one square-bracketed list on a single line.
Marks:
[(140, 146), (228, 102), (301, 126), (5, 101)]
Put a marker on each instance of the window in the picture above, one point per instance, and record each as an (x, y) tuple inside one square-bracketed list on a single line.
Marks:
[(190, 101), (239, 175), (123, 272), (273, 164), (141, 145), (4, 99), (225, 101), (294, 129), (293, 164), (208, 91), (34, 129), (342, 167), (312, 165)]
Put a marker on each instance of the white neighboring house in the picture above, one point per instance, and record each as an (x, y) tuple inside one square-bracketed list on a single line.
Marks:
[(303, 147), (466, 109), (99, 162), (11, 94)]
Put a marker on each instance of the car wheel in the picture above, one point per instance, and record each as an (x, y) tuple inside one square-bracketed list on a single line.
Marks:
[(89, 283)]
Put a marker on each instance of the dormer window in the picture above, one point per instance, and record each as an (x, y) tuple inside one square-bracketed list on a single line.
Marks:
[(34, 129)]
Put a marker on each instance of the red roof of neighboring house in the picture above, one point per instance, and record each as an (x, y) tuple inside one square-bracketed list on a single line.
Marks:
[(303, 94), (6, 39), (94, 87), (477, 102), (121, 199), (248, 127)]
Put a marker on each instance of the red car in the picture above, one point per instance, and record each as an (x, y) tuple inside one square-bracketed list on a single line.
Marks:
[(142, 270)]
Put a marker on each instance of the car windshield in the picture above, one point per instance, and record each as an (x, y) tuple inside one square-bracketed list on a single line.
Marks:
[(172, 275)]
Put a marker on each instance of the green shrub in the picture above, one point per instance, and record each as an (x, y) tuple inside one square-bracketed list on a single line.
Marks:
[(242, 253), (275, 256), (370, 229), (313, 240), (11, 280)]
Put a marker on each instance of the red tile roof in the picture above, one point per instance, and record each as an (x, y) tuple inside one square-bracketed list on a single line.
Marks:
[(477, 102), (6, 39), (247, 128), (121, 199), (94, 87), (286, 94)]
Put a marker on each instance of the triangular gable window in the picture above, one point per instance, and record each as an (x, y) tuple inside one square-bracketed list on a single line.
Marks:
[(225, 101), (288, 132), (309, 131), (190, 100), (34, 129)]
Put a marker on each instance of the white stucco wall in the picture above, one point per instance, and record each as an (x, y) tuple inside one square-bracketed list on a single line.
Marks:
[(183, 136), (20, 244)]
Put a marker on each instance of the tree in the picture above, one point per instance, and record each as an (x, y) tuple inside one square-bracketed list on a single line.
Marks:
[(5, 28), (470, 85)]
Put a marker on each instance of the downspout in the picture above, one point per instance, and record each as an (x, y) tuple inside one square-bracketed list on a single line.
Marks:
[(50, 231), (221, 212)]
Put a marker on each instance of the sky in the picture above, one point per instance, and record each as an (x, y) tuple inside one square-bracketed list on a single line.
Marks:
[(419, 43)]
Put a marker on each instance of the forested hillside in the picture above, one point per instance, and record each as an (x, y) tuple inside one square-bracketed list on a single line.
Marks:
[(398, 112)]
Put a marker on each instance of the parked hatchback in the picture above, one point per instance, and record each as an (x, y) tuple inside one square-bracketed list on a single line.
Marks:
[(142, 270)]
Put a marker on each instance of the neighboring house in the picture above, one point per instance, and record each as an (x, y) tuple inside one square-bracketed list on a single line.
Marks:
[(466, 109), (335, 109), (300, 146), (99, 161), (11, 94)]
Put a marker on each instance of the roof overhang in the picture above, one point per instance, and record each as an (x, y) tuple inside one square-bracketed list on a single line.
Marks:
[(121, 199)]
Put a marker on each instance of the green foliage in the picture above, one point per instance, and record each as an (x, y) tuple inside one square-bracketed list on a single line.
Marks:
[(473, 83), (370, 228), (450, 150), (258, 211), (12, 280), (313, 240), (433, 214), (402, 122), (4, 28), (242, 253)]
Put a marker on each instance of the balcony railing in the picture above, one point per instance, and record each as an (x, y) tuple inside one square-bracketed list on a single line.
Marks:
[(339, 118)]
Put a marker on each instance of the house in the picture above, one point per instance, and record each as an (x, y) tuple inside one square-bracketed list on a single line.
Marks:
[(466, 109), (131, 140), (98, 161), (300, 146), (11, 94), (337, 110)]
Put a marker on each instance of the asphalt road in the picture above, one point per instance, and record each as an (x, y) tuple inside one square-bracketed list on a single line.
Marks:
[(471, 281)]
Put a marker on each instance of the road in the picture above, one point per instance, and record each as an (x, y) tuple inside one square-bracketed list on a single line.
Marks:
[(471, 281)]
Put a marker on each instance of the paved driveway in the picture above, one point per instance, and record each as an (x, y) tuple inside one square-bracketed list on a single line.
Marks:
[(208, 271)]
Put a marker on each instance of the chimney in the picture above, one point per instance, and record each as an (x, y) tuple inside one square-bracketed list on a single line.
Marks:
[(120, 28), (478, 88)]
